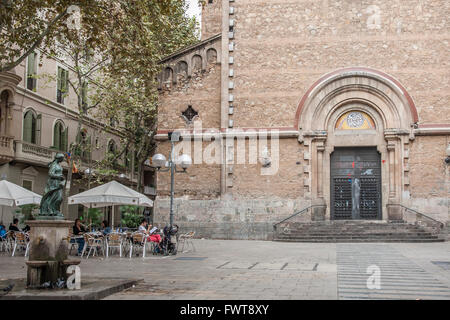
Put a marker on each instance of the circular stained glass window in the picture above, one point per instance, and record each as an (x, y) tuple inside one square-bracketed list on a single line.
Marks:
[(355, 119)]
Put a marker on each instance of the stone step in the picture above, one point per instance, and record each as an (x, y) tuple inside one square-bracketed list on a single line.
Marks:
[(359, 240), (354, 231), (375, 234), (400, 235)]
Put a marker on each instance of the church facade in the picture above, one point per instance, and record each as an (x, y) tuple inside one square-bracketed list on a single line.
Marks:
[(339, 107)]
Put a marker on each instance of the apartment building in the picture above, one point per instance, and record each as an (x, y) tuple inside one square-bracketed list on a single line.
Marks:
[(38, 118)]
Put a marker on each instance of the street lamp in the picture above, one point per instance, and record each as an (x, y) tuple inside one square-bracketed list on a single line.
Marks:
[(89, 172), (159, 161), (447, 160)]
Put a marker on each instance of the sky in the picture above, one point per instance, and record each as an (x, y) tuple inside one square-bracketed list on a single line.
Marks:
[(194, 10)]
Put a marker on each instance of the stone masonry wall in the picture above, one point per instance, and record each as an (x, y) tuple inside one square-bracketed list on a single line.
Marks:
[(283, 47), (201, 91), (429, 177), (211, 18)]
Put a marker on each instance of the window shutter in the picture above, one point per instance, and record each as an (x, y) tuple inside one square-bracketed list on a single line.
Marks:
[(30, 67), (58, 80), (27, 119), (57, 136), (38, 120), (66, 81), (65, 137)]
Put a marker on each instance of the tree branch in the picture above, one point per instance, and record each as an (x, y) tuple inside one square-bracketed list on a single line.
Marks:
[(37, 43)]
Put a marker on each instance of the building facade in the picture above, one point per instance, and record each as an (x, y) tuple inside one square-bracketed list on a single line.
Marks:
[(39, 117), (339, 105)]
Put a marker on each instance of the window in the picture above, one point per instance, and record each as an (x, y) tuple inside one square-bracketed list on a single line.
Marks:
[(62, 85), (111, 146), (27, 184), (60, 136), (355, 120), (83, 147), (189, 114), (32, 71), (111, 152), (3, 107), (31, 127)]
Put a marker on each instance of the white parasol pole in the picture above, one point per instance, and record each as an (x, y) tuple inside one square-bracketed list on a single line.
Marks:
[(112, 217)]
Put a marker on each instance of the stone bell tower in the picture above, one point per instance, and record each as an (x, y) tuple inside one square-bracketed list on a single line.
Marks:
[(211, 18)]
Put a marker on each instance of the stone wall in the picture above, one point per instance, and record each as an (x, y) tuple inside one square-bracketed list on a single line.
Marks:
[(228, 218), (283, 47), (429, 177), (211, 18), (201, 90)]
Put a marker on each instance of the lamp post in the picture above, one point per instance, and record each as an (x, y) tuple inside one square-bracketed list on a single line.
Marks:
[(447, 151), (184, 161)]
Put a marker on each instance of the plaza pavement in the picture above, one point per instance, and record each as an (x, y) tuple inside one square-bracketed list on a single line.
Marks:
[(235, 269)]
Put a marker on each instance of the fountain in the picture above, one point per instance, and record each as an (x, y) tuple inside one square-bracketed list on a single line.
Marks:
[(49, 236)]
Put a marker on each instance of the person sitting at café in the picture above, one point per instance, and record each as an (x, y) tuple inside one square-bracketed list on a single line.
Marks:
[(13, 226), (146, 229), (78, 230), (104, 228)]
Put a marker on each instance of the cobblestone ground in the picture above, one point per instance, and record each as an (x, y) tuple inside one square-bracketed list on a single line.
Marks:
[(221, 269)]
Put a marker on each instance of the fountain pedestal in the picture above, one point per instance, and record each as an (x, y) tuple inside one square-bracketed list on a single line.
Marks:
[(48, 260)]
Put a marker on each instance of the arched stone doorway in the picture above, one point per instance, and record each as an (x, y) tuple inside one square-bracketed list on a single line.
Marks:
[(379, 114)]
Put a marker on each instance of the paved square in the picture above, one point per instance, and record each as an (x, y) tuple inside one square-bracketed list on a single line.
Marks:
[(235, 269)]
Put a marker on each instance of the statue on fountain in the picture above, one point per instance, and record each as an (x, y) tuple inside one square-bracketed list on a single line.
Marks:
[(53, 193)]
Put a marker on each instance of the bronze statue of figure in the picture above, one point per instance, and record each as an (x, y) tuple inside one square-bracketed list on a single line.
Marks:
[(53, 193)]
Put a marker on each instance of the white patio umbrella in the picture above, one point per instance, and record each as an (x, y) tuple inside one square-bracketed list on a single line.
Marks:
[(109, 194), (12, 195)]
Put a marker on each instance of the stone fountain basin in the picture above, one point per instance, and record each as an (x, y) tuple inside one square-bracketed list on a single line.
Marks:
[(91, 289)]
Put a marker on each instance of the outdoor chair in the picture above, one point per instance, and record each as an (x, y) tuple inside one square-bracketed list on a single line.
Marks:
[(20, 242), (5, 242), (114, 240), (138, 241), (71, 240), (126, 242), (92, 244), (186, 239)]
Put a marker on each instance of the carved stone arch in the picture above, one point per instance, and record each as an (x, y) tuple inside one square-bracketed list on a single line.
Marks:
[(360, 84), (211, 55), (181, 69), (364, 91), (197, 62)]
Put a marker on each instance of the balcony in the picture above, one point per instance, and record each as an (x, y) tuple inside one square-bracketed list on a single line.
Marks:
[(151, 191), (6, 149), (34, 154)]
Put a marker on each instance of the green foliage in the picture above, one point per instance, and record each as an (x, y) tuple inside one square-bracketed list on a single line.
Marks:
[(94, 216), (131, 216), (27, 25), (114, 57), (25, 212)]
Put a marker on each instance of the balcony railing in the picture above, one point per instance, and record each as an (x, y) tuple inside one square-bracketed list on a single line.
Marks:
[(6, 149), (32, 153), (150, 190)]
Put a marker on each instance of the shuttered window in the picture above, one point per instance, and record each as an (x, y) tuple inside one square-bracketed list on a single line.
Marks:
[(62, 85), (32, 71), (60, 136), (29, 127)]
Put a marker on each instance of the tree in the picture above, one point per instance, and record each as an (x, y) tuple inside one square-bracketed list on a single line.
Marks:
[(131, 94), (26, 25), (116, 47)]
